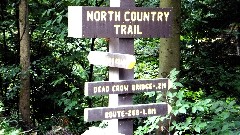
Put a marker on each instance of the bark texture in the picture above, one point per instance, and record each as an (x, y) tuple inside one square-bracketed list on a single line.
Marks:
[(169, 54), (24, 97)]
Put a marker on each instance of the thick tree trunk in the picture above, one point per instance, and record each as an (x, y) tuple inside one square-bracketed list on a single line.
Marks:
[(169, 52), (24, 97)]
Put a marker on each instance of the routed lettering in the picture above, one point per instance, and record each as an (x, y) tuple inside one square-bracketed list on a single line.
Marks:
[(128, 16), (127, 86), (127, 29), (120, 22), (127, 111)]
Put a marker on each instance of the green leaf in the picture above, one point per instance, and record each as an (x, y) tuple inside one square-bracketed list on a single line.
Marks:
[(180, 94), (178, 103), (182, 110), (207, 101), (177, 84), (59, 19), (58, 81), (231, 104), (73, 103), (74, 89), (194, 109), (2, 131), (16, 132), (202, 124), (219, 109), (169, 94), (188, 121), (197, 129), (66, 109), (69, 93), (225, 115), (150, 94), (48, 23), (225, 127), (176, 133), (200, 108)]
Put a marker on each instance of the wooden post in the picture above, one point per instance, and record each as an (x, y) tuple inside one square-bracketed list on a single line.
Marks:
[(126, 25), (125, 46)]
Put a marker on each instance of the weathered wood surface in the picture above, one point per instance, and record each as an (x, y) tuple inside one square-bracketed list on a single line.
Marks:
[(126, 86), (119, 22), (126, 111), (118, 60)]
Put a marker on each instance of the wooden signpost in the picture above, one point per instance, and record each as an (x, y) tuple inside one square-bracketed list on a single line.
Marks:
[(121, 22), (112, 59), (126, 112), (126, 86)]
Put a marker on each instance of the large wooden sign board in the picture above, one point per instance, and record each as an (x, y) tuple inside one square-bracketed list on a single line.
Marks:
[(125, 112), (112, 59), (126, 86), (119, 22)]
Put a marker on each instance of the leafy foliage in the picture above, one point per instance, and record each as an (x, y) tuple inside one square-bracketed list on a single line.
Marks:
[(5, 127), (146, 52), (149, 3), (208, 101), (197, 114)]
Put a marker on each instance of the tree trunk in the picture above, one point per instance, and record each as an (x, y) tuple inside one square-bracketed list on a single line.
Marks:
[(24, 97), (169, 52)]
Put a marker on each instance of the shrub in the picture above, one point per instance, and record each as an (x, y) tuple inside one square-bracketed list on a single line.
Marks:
[(5, 128)]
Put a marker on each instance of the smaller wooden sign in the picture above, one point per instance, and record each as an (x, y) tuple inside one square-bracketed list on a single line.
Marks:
[(126, 61), (126, 86), (126, 111)]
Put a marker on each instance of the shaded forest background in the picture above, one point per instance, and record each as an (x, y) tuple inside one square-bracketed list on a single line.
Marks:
[(209, 76)]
